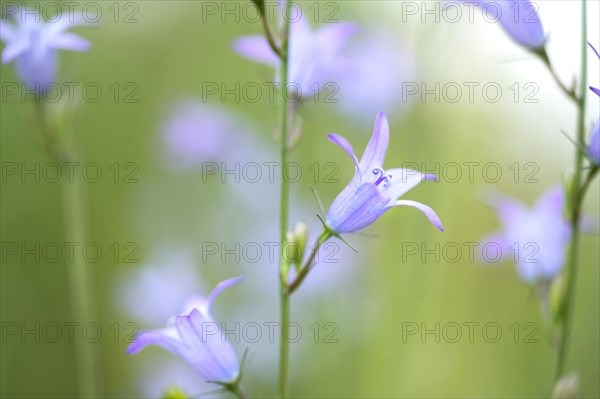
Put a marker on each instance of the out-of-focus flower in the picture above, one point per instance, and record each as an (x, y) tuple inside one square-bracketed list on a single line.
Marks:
[(373, 190), (196, 338), (33, 43), (197, 132), (519, 19), (314, 57), (163, 285), (535, 238), (376, 68)]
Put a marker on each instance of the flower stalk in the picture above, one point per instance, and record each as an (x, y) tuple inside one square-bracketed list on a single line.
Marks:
[(80, 286), (284, 349), (577, 193)]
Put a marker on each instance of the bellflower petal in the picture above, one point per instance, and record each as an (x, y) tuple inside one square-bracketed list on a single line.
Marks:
[(427, 211), (256, 48), (519, 19), (197, 339), (314, 56), (33, 43), (373, 190), (374, 154)]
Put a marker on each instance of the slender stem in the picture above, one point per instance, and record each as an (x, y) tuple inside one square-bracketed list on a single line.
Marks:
[(576, 196), (237, 390), (80, 287), (283, 216), (324, 236)]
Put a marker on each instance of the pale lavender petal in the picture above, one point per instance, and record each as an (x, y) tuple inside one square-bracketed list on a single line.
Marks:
[(7, 32), (256, 48), (346, 146), (332, 38), (427, 211), (163, 338), (519, 19), (212, 356), (69, 41), (374, 154), (594, 149), (403, 180), (14, 49), (223, 285), (357, 212), (494, 249)]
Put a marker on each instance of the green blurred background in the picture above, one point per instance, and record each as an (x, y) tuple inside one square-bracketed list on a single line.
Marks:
[(169, 53)]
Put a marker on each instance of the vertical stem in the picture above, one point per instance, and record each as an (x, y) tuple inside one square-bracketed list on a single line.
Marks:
[(575, 200), (284, 204), (80, 287)]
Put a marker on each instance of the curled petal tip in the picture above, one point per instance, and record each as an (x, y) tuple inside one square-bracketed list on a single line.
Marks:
[(430, 177)]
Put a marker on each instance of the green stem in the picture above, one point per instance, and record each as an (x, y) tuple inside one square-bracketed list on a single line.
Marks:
[(324, 236), (237, 390), (283, 216), (80, 287), (576, 199)]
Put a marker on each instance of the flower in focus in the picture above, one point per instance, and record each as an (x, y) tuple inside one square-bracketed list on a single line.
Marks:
[(196, 338), (519, 19), (314, 57), (537, 238), (33, 43), (373, 190)]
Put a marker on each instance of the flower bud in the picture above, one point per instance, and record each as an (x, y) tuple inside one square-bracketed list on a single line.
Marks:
[(567, 387), (173, 393), (296, 244)]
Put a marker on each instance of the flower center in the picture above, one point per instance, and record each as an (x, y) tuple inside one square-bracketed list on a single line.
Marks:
[(381, 178)]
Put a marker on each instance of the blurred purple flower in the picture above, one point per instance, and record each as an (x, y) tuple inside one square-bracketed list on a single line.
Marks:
[(373, 190), (33, 43), (376, 69), (519, 19), (314, 57), (196, 132), (196, 338), (536, 237), (163, 286)]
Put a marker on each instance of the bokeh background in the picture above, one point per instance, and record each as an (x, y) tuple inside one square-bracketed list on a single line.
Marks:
[(168, 51)]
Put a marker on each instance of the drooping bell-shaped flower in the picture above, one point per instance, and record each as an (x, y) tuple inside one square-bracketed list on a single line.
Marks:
[(196, 338), (314, 56), (373, 190), (519, 18), (33, 43), (536, 238)]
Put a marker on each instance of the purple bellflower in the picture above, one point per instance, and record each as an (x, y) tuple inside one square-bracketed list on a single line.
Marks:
[(196, 338), (33, 43), (314, 57), (519, 19), (537, 238), (594, 149), (373, 190)]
